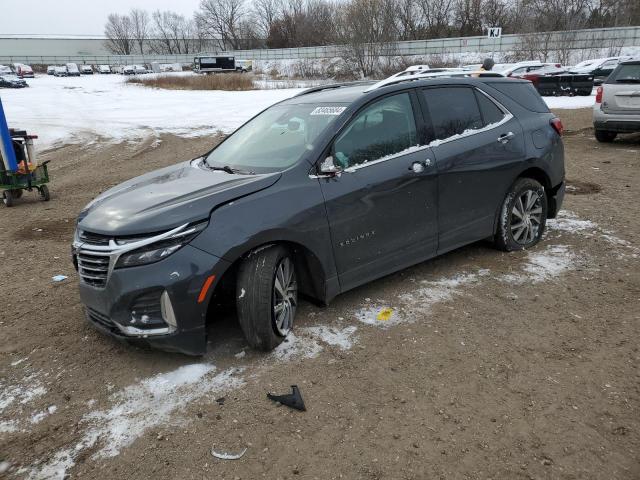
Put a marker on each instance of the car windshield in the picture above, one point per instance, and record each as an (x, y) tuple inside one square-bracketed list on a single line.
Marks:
[(276, 139)]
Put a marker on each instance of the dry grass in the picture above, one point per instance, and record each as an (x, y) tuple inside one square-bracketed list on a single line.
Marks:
[(222, 81)]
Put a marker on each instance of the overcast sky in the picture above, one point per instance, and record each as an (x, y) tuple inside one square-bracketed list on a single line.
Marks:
[(75, 17)]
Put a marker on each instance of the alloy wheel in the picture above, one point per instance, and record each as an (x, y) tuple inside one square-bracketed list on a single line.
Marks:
[(285, 296), (526, 217)]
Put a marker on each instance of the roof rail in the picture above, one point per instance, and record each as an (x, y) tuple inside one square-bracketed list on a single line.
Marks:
[(330, 86), (407, 76)]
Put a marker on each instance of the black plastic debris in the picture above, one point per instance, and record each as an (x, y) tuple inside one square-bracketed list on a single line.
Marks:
[(292, 400)]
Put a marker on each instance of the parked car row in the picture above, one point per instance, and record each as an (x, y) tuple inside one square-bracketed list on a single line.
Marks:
[(68, 70), (552, 78), (18, 69), (134, 70)]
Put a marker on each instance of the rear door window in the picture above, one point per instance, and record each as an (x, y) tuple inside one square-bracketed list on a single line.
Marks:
[(453, 110), (386, 127)]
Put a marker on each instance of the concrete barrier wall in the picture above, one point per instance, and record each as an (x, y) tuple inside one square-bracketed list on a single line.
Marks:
[(51, 51)]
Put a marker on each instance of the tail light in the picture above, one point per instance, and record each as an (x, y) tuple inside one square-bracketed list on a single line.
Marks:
[(533, 78), (599, 95), (556, 123)]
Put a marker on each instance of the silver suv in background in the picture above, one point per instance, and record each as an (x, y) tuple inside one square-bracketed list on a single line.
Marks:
[(617, 107)]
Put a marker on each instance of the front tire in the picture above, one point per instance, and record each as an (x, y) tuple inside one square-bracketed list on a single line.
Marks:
[(604, 136), (523, 216), (7, 198), (267, 297), (45, 196)]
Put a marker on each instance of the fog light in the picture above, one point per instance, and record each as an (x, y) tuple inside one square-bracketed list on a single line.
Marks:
[(167, 310)]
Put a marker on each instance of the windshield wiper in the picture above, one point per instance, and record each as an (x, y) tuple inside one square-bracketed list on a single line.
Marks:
[(229, 170), (226, 168), (628, 80)]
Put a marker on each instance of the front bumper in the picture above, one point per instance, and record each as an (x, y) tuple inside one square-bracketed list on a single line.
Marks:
[(112, 309)]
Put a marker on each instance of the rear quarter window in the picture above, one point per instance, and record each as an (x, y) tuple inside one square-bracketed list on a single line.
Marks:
[(626, 73), (523, 93)]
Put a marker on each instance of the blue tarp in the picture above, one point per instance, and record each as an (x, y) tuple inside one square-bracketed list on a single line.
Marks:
[(6, 147)]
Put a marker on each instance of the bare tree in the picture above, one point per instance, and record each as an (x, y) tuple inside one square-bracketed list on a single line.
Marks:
[(140, 25), (173, 33), (409, 19), (265, 13), (437, 15), (468, 17), (221, 19), (119, 33), (366, 26)]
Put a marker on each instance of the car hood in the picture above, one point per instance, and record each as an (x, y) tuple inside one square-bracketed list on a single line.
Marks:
[(167, 198)]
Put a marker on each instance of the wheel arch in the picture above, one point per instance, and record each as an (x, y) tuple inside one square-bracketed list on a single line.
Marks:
[(312, 277), (535, 173)]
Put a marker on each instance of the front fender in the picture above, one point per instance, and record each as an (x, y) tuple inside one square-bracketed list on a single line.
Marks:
[(294, 212)]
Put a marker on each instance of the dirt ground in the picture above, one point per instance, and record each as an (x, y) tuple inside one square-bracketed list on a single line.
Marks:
[(533, 379)]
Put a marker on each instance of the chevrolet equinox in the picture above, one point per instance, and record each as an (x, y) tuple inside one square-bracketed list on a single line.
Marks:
[(316, 195)]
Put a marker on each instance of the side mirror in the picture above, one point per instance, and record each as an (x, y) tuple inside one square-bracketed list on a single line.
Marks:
[(328, 167)]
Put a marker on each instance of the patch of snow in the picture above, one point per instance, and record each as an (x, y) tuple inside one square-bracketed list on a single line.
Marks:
[(571, 102), (433, 292), (138, 408), (337, 337), (38, 417), (542, 266), (18, 362), (295, 346), (8, 426), (569, 222), (74, 109), (29, 389)]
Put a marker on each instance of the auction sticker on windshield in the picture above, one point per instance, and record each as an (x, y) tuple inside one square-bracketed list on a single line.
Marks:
[(328, 110)]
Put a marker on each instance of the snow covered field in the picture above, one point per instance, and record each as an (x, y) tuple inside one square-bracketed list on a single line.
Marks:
[(75, 109)]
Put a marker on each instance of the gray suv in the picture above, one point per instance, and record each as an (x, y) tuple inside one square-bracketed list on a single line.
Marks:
[(318, 194), (617, 107)]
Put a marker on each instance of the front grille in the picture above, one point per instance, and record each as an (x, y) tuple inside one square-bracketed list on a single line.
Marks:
[(101, 319), (93, 238), (93, 265), (93, 268)]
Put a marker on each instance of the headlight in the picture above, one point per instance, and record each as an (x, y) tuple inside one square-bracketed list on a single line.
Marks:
[(155, 252)]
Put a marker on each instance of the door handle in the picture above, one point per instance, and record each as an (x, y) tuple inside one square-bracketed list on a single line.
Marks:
[(418, 167), (505, 137)]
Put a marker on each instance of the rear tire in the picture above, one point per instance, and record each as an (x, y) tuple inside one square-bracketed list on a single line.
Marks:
[(267, 296), (523, 216), (604, 136)]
